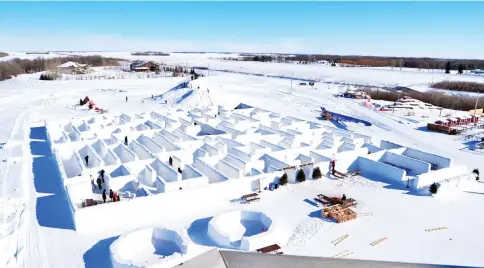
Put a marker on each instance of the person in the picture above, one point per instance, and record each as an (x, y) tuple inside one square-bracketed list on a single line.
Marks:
[(87, 160), (111, 195), (343, 198), (115, 197), (104, 195), (126, 98), (152, 96), (102, 174), (180, 171), (476, 172), (333, 164), (99, 183), (126, 140), (170, 161)]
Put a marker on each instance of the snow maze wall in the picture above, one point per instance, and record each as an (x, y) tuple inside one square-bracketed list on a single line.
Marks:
[(246, 230)]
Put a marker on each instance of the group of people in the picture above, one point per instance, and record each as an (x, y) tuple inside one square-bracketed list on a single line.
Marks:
[(100, 181), (112, 195)]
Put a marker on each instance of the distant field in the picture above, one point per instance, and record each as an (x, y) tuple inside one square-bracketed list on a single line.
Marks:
[(459, 86), (3, 54)]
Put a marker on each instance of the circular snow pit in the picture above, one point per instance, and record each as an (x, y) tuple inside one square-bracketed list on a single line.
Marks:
[(147, 246), (240, 229)]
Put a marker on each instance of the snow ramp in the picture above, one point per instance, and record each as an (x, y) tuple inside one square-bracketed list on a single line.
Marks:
[(345, 118)]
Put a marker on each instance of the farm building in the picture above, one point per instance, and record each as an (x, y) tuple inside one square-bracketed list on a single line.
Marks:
[(72, 68), (144, 66)]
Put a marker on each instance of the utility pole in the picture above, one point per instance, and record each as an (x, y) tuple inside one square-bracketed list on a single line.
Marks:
[(477, 100)]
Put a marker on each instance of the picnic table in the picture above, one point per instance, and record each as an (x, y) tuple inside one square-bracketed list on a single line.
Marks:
[(250, 197), (270, 249)]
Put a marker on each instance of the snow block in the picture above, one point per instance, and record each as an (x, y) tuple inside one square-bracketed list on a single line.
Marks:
[(412, 166), (246, 230), (125, 154), (438, 162), (380, 171), (150, 144)]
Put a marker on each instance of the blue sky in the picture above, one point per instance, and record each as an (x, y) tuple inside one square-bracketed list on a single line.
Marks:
[(435, 29)]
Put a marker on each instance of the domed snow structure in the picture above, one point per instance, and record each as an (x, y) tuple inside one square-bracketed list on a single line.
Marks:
[(246, 230), (146, 247)]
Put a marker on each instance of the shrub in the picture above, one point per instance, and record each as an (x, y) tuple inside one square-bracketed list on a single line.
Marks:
[(317, 173), (300, 177), (459, 86), (433, 188), (283, 179)]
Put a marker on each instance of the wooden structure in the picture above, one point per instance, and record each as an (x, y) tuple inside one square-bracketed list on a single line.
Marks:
[(275, 249), (342, 175), (340, 213), (336, 201), (250, 198)]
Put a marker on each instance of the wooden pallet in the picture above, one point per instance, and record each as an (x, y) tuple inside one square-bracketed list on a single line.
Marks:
[(346, 255), (340, 254), (378, 241), (436, 229), (340, 239)]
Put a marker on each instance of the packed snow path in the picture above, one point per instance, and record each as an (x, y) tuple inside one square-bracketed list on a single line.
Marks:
[(304, 232), (52, 231)]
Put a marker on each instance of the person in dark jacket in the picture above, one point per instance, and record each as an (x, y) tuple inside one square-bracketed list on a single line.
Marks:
[(170, 161), (180, 171), (104, 195), (343, 198), (99, 183), (333, 165), (126, 98), (87, 160), (111, 195), (102, 174), (476, 171), (126, 140)]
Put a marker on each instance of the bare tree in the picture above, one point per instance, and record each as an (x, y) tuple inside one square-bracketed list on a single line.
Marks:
[(400, 63), (393, 63)]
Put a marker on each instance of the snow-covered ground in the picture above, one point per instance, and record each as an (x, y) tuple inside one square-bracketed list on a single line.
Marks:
[(37, 228)]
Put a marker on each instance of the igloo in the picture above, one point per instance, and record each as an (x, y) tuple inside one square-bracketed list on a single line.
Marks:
[(247, 230), (148, 246)]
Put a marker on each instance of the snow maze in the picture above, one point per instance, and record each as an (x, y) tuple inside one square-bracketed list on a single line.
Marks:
[(178, 150), (240, 229), (143, 247)]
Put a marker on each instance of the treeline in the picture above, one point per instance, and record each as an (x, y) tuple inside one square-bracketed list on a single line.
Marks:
[(3, 54), (374, 61), (150, 53), (459, 86), (441, 99), (14, 67)]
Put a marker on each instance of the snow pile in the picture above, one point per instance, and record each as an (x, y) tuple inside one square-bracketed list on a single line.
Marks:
[(185, 98)]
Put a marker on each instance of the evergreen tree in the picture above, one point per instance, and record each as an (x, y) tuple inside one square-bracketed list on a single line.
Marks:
[(283, 179), (300, 177), (461, 68), (447, 68), (433, 188), (317, 173)]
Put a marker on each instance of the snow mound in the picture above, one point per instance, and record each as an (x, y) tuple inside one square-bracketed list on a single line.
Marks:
[(146, 247), (185, 98), (247, 230)]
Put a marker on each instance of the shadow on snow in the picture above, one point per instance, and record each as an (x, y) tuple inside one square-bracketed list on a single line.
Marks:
[(52, 204), (98, 255)]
